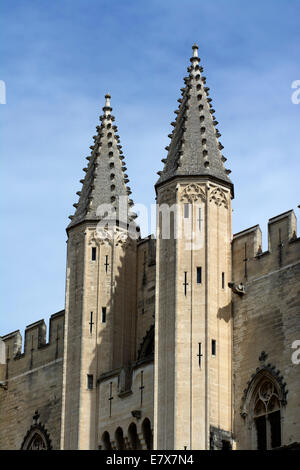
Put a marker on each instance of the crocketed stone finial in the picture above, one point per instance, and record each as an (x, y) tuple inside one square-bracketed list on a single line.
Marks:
[(107, 97), (195, 50)]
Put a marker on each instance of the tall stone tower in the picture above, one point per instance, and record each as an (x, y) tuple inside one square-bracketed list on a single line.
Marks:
[(192, 401), (100, 306)]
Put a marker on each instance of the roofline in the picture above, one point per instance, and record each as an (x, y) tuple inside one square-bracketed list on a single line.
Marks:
[(89, 221), (13, 333), (280, 216), (245, 232)]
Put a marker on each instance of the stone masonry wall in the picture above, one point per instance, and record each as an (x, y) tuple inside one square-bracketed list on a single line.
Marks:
[(266, 321), (145, 288), (32, 381)]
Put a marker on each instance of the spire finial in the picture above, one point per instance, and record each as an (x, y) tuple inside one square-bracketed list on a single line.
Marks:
[(107, 108), (107, 97), (195, 50)]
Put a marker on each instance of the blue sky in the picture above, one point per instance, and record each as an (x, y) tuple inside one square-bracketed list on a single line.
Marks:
[(60, 57)]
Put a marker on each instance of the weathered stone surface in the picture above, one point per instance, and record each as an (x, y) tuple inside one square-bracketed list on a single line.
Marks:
[(220, 333), (32, 382)]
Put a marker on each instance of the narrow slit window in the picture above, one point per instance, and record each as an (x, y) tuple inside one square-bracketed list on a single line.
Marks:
[(90, 382), (199, 275), (103, 314), (91, 323), (213, 347), (223, 280), (186, 211), (93, 253), (106, 264)]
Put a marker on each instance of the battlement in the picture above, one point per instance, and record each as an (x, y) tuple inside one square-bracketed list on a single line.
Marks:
[(248, 259), (37, 352)]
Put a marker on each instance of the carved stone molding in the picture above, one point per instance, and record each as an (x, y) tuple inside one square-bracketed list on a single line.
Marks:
[(110, 236), (37, 437), (94, 239), (219, 197), (268, 371), (192, 193)]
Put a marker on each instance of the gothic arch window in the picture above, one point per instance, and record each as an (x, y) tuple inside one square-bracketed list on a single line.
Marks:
[(36, 442), (266, 415), (263, 408), (133, 437), (147, 433), (37, 438)]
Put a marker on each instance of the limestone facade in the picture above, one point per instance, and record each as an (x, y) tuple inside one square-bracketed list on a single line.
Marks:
[(186, 339)]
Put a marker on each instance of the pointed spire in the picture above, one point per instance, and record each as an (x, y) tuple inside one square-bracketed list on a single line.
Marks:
[(194, 148), (105, 180)]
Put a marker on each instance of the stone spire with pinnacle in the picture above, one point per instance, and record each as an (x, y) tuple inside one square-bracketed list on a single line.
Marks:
[(194, 149), (105, 180)]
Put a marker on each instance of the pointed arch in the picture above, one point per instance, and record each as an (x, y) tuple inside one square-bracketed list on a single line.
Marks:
[(265, 371), (106, 441), (37, 438), (119, 438), (135, 443), (262, 406), (147, 433)]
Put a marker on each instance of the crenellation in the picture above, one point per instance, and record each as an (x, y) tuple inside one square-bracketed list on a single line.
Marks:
[(245, 246), (281, 229), (35, 336), (13, 344), (37, 352), (56, 327), (248, 259), (32, 381)]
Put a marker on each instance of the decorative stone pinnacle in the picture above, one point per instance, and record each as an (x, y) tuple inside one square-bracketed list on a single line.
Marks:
[(36, 417), (107, 108), (195, 50), (263, 356)]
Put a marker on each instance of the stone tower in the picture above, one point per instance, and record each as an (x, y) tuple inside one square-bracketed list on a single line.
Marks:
[(100, 285), (192, 398)]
